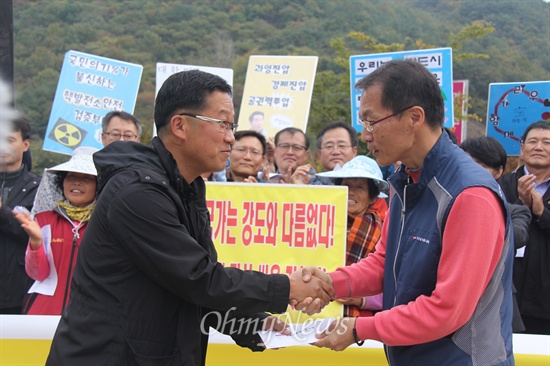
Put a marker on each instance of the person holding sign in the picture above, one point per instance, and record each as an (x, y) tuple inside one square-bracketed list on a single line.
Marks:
[(147, 285), (444, 261), (120, 125)]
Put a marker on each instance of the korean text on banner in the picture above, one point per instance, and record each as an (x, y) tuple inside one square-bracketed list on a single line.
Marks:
[(278, 89), (278, 228), (437, 60), (89, 87), (164, 70)]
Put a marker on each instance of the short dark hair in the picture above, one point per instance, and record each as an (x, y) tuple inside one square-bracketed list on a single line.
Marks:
[(256, 113), (123, 115), (250, 133), (487, 150), (292, 131), (543, 125), (186, 89), (407, 83), (338, 124), (57, 180), (21, 124)]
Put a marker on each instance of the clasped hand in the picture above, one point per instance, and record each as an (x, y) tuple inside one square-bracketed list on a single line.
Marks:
[(310, 290)]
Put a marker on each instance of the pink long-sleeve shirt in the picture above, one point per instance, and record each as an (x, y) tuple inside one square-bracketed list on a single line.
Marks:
[(472, 244)]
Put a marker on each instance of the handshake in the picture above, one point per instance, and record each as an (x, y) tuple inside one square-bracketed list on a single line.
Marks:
[(310, 290)]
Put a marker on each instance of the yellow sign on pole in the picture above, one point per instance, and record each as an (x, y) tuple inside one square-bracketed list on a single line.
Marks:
[(277, 93)]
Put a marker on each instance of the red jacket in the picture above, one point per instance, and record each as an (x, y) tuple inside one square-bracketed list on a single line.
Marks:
[(64, 246)]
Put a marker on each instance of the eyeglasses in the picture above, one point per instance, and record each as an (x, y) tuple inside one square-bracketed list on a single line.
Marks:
[(297, 148), (241, 150), (115, 136), (369, 125), (338, 147), (223, 126)]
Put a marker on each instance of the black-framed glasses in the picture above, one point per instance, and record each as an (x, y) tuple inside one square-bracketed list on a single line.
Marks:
[(369, 125), (297, 148), (115, 136), (223, 126)]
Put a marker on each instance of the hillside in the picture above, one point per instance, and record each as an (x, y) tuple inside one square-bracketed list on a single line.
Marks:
[(224, 33)]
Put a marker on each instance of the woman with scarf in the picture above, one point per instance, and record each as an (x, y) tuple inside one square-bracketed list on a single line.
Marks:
[(363, 177), (63, 206)]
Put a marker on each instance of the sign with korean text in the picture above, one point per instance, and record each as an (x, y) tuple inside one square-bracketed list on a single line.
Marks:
[(277, 93), (279, 228), (164, 70), (514, 106), (89, 87), (437, 60), (460, 93)]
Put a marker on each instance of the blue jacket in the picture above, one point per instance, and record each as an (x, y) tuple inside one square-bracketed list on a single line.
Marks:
[(418, 214)]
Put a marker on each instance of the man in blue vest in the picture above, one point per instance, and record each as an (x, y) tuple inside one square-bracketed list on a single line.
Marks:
[(444, 261)]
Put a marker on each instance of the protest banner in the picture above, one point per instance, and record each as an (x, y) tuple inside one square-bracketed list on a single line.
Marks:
[(89, 87), (437, 60), (277, 93)]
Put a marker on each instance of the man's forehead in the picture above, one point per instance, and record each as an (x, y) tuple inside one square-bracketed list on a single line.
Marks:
[(292, 136), (343, 134), (369, 97), (539, 133), (247, 140), (123, 121)]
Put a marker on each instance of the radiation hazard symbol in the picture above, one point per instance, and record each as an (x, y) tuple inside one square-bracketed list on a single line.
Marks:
[(67, 134)]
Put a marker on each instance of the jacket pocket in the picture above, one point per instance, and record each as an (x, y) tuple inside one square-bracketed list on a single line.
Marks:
[(147, 353)]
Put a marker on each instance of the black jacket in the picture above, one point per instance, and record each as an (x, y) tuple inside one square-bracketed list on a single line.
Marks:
[(147, 282), (14, 281), (532, 272)]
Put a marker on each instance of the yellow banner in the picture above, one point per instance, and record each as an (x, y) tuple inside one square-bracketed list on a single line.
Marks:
[(279, 228), (277, 93)]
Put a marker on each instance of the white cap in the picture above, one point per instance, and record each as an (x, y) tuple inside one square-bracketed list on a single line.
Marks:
[(81, 162), (359, 167)]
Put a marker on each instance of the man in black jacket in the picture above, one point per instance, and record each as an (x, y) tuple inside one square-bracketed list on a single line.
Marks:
[(147, 284), (18, 187), (529, 185)]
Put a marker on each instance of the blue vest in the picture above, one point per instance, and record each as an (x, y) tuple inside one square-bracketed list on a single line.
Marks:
[(418, 213)]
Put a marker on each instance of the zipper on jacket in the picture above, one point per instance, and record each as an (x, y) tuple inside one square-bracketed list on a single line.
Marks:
[(403, 209), (69, 277)]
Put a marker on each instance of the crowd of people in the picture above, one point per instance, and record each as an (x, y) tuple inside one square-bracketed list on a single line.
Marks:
[(441, 256)]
